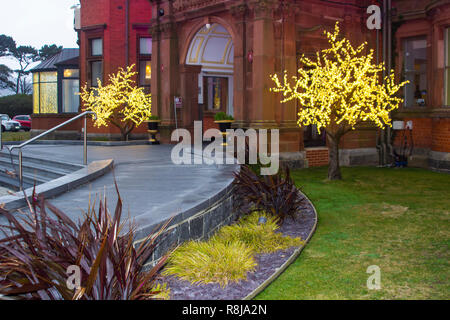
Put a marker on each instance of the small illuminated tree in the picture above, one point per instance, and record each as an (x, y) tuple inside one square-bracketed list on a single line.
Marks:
[(119, 103), (338, 91)]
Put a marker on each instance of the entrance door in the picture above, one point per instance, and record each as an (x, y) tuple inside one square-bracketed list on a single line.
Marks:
[(215, 93)]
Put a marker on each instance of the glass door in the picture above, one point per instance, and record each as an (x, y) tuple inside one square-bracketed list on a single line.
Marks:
[(215, 93)]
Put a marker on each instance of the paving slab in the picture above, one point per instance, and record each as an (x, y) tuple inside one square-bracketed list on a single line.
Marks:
[(151, 186)]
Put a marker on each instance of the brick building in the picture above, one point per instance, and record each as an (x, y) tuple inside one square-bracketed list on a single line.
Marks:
[(218, 55), (422, 40)]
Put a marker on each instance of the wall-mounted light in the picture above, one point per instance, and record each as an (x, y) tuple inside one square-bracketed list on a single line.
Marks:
[(208, 23), (262, 220), (250, 56), (161, 12), (67, 73)]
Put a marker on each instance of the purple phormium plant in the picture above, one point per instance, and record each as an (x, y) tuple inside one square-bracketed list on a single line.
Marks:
[(37, 251), (276, 194)]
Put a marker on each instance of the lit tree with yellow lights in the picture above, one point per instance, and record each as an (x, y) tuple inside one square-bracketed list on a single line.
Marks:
[(119, 103), (339, 90)]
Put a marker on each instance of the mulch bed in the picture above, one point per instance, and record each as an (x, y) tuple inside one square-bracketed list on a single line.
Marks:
[(267, 264)]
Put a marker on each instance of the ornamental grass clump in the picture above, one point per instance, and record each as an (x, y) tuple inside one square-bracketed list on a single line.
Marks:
[(230, 254), (213, 261), (39, 248), (261, 238)]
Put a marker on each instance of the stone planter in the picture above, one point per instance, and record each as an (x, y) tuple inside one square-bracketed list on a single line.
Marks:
[(153, 130), (223, 126)]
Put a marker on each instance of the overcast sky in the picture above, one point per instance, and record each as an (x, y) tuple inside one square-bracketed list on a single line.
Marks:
[(38, 22)]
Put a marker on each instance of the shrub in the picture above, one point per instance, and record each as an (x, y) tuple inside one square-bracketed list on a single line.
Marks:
[(261, 238), (213, 261), (219, 116), (276, 195), (16, 104), (153, 117), (37, 251)]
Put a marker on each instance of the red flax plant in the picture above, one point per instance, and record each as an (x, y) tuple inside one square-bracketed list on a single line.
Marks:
[(275, 194), (37, 251)]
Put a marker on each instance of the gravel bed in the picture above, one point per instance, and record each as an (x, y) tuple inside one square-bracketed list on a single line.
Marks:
[(268, 263)]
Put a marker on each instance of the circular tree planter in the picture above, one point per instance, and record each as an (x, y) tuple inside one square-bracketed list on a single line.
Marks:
[(153, 130)]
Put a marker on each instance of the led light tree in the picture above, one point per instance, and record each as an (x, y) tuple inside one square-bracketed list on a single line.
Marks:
[(119, 103), (339, 90)]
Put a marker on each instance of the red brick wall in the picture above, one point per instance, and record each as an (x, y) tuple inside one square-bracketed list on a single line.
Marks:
[(428, 133), (441, 135), (363, 138), (317, 156), (432, 130), (421, 133), (208, 122), (113, 14), (46, 122)]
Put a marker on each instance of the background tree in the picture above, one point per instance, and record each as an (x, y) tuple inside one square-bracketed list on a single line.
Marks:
[(119, 103), (48, 51), (7, 45), (340, 90), (5, 78), (25, 56)]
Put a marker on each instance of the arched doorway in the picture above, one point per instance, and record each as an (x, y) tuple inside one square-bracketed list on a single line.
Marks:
[(212, 49)]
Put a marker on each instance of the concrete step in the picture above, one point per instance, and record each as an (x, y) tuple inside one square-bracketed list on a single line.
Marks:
[(66, 165), (36, 171), (11, 182), (42, 170), (58, 186), (30, 179)]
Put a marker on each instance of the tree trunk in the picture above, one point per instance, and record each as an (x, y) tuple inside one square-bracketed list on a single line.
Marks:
[(18, 83), (334, 171), (124, 134), (125, 131)]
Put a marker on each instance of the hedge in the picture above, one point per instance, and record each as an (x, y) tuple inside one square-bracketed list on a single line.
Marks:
[(16, 104)]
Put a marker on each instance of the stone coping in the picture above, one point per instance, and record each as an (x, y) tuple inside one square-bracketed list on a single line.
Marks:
[(60, 185), (80, 142)]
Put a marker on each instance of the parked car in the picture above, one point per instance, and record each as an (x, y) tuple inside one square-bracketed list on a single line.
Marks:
[(24, 120), (8, 124)]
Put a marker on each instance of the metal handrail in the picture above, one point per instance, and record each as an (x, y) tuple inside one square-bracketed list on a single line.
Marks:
[(20, 146)]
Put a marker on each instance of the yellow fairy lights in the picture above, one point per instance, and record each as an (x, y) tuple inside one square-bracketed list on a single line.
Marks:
[(120, 102), (341, 89)]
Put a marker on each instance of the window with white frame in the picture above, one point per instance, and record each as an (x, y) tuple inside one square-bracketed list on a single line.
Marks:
[(145, 62), (95, 61), (415, 71)]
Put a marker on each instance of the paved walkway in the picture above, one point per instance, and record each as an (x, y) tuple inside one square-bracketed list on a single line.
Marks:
[(151, 186)]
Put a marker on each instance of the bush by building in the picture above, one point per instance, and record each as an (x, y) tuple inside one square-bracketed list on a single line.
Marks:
[(16, 104)]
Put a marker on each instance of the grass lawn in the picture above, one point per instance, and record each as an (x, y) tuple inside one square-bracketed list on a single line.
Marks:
[(397, 219), (15, 136)]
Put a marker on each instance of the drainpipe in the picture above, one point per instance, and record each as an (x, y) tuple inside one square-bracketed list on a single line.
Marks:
[(127, 18), (389, 65), (382, 139), (378, 135)]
